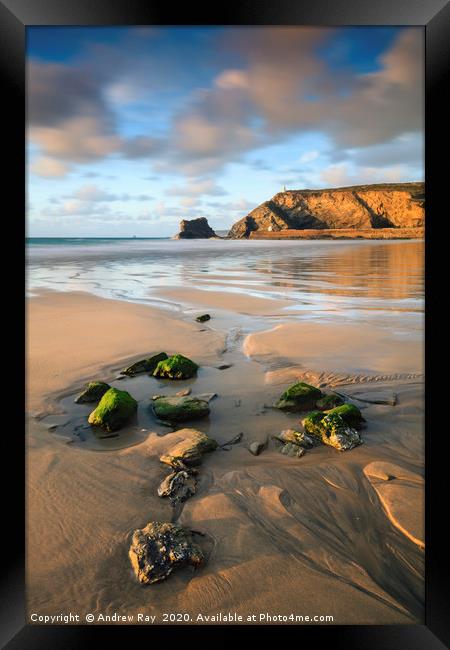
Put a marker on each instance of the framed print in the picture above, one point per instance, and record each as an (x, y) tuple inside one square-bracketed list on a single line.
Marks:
[(227, 422)]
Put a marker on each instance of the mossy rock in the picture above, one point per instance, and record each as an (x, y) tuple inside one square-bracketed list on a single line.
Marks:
[(338, 434), (93, 393), (144, 365), (114, 410), (299, 397), (328, 402), (203, 318), (180, 409), (311, 423), (189, 452), (176, 367), (332, 430), (349, 413)]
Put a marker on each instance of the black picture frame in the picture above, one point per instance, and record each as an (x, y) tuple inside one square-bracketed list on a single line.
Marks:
[(433, 15)]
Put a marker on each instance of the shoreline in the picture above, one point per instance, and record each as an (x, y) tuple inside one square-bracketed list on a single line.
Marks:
[(262, 517)]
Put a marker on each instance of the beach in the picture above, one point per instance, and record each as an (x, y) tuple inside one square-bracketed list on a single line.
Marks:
[(336, 534)]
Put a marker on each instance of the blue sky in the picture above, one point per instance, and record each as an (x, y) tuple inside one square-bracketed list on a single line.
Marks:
[(132, 129)]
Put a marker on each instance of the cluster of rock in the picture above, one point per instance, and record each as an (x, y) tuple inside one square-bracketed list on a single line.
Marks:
[(115, 407), (160, 547), (328, 421)]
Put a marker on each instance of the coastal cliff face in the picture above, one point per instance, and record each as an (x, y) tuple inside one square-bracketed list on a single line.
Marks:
[(195, 229), (362, 207)]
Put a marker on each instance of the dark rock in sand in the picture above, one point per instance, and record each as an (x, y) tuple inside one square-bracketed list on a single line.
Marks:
[(93, 393), (144, 365), (299, 397), (203, 318), (159, 548), (299, 438), (178, 486), (114, 410), (180, 409), (176, 367), (189, 452), (293, 450), (257, 446)]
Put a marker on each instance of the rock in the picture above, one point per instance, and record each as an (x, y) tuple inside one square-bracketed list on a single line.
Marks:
[(178, 486), (159, 548), (332, 430), (226, 446), (93, 393), (329, 401), (203, 318), (114, 410), (293, 450), (189, 451), (349, 413), (256, 447), (181, 393), (176, 367), (362, 207), (144, 365), (224, 366), (297, 438), (401, 494), (299, 397), (195, 229), (180, 409)]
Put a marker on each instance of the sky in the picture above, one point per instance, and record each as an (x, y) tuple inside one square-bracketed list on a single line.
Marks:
[(131, 129)]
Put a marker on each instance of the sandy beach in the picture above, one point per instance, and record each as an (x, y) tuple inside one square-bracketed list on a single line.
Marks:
[(333, 533)]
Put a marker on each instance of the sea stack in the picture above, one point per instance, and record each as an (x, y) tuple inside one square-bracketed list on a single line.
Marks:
[(195, 229)]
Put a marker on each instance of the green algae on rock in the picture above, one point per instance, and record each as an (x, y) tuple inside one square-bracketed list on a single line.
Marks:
[(299, 397), (176, 367), (349, 413), (180, 409), (114, 410), (93, 393), (159, 548), (329, 401), (332, 430), (189, 451), (144, 365)]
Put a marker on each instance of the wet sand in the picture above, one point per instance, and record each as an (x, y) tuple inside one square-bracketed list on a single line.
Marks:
[(310, 536)]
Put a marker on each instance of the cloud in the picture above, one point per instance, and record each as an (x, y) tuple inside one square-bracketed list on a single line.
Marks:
[(49, 168), (284, 88), (195, 188), (71, 121), (264, 86), (342, 175), (94, 194)]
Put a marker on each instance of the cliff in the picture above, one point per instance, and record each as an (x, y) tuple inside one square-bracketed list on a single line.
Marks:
[(195, 229), (361, 207)]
